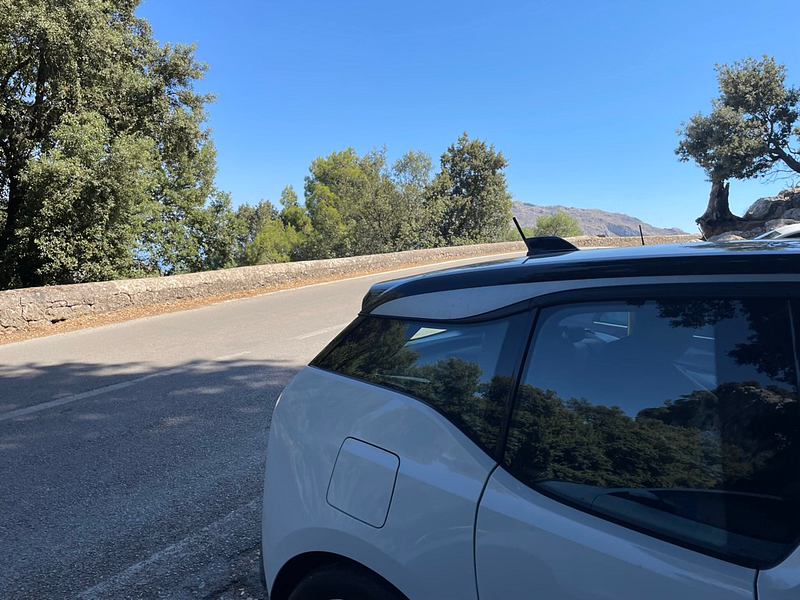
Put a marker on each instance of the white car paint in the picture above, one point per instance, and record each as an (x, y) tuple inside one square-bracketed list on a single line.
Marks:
[(787, 231), (363, 480), (425, 547), (528, 545), (781, 582), (447, 490)]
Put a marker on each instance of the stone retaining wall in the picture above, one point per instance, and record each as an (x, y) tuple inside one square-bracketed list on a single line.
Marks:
[(37, 307)]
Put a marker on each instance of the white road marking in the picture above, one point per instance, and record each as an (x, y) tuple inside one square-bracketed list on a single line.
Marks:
[(321, 331), (102, 390), (230, 356), (177, 550)]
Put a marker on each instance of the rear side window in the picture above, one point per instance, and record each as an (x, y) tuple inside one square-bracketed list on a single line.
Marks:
[(676, 417), (461, 370)]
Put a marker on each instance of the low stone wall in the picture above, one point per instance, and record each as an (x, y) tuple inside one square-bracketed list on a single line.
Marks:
[(37, 307)]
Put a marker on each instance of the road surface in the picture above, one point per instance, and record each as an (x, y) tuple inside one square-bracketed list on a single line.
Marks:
[(131, 455)]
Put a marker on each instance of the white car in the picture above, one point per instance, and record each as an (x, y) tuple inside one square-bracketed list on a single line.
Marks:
[(785, 232), (612, 424)]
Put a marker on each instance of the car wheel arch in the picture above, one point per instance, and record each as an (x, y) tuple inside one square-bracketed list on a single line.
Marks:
[(302, 565)]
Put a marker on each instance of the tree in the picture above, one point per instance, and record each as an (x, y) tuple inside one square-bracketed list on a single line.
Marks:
[(272, 244), (251, 220), (218, 230), (105, 163), (296, 219), (468, 199), (559, 223), (749, 133), (358, 205), (411, 175)]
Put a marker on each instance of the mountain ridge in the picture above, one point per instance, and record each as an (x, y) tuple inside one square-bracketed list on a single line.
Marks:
[(592, 221)]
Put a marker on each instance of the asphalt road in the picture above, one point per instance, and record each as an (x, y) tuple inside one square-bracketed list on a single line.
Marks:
[(131, 455)]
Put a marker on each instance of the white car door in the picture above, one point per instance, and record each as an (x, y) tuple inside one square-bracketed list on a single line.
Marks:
[(781, 582), (654, 461), (531, 546)]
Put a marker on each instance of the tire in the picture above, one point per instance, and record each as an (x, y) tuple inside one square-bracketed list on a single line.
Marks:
[(344, 582)]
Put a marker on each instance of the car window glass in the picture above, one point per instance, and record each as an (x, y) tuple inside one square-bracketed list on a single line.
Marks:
[(679, 417), (453, 367)]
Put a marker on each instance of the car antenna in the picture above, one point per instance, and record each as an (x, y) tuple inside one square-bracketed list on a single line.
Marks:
[(641, 235), (544, 244), (521, 233)]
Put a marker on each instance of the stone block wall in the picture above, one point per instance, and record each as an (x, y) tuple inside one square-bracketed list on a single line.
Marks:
[(37, 307)]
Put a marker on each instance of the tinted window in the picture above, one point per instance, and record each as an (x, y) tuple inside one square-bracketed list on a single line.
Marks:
[(456, 369), (676, 417)]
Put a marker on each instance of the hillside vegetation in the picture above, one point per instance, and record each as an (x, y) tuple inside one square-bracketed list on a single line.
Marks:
[(591, 221)]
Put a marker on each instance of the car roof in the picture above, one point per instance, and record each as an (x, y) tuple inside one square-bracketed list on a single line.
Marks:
[(474, 289), (788, 228)]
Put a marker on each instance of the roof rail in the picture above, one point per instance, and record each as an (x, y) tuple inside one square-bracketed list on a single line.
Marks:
[(544, 244)]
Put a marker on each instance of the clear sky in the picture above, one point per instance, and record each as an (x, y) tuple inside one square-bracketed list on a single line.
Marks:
[(583, 98)]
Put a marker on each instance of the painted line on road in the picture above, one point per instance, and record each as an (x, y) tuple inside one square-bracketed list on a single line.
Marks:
[(230, 356), (178, 550), (321, 331), (103, 390)]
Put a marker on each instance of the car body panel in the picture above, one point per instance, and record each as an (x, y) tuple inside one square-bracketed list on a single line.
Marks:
[(785, 232), (781, 582), (425, 547), (529, 545), (363, 481), (526, 544)]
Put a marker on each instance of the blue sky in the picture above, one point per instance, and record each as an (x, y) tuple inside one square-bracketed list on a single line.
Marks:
[(583, 98)]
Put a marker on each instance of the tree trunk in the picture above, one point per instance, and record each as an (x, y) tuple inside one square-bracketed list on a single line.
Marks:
[(718, 217), (12, 212)]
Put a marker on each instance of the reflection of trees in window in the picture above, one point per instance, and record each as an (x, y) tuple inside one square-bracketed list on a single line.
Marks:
[(375, 346), (580, 442), (376, 351), (759, 431), (740, 437)]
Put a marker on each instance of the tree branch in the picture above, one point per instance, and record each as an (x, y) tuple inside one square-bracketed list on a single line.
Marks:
[(16, 68), (790, 160)]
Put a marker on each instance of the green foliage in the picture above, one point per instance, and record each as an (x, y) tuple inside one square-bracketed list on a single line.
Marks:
[(468, 200), (411, 175), (751, 126), (251, 220), (106, 167), (272, 244), (86, 200), (217, 232), (356, 207), (559, 223), (363, 205)]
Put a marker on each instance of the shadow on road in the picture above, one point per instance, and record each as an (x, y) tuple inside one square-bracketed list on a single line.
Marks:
[(135, 461)]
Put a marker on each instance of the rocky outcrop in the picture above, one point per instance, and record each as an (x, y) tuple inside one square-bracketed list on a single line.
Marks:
[(766, 214), (784, 206)]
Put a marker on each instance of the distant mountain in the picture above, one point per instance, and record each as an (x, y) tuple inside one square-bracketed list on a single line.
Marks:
[(592, 221)]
